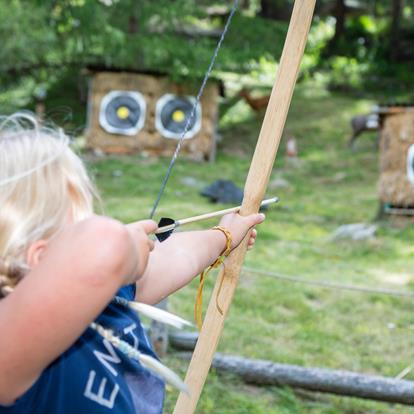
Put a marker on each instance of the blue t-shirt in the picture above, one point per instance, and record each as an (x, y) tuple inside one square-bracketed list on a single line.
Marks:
[(92, 376)]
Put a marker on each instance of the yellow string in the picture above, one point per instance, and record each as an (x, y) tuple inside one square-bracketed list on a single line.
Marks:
[(198, 307)]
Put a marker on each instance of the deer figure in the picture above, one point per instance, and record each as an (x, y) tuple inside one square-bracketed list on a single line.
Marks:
[(255, 103), (362, 123)]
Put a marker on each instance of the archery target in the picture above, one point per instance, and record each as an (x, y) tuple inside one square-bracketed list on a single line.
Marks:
[(172, 113), (410, 164), (122, 112)]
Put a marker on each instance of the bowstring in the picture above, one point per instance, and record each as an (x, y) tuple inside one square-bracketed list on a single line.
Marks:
[(193, 110)]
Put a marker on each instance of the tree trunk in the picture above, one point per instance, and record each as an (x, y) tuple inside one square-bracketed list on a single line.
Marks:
[(339, 12), (276, 9), (340, 15), (395, 30), (245, 4)]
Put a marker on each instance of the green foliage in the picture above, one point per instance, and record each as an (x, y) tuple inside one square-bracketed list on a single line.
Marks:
[(137, 35), (26, 37), (347, 72), (51, 35), (361, 61), (321, 31)]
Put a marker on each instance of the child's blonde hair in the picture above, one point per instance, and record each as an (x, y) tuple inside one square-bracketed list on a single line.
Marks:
[(43, 184)]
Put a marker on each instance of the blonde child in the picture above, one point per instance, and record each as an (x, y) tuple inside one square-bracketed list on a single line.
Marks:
[(65, 271)]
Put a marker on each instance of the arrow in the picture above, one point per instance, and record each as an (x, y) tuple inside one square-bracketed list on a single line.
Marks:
[(168, 225)]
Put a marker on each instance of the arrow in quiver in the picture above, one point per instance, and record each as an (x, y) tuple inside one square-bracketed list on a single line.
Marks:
[(172, 114), (122, 112)]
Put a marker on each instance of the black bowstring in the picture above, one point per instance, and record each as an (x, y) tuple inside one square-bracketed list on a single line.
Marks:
[(193, 110)]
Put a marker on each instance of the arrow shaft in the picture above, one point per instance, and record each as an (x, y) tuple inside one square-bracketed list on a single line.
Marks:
[(206, 216)]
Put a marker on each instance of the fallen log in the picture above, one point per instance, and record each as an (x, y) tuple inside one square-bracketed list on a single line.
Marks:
[(318, 379), (183, 340), (339, 382)]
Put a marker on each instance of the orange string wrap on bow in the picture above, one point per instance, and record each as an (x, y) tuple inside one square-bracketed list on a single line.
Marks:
[(198, 307)]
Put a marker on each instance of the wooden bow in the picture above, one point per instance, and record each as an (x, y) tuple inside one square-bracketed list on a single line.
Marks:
[(254, 190)]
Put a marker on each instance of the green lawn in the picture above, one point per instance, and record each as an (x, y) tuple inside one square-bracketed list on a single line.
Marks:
[(277, 320)]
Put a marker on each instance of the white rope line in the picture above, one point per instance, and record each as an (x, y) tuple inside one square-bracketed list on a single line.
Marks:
[(328, 284)]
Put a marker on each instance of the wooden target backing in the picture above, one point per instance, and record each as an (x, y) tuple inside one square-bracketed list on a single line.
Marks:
[(164, 107), (396, 182)]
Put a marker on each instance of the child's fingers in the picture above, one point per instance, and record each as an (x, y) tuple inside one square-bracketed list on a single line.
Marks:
[(253, 234), (252, 239)]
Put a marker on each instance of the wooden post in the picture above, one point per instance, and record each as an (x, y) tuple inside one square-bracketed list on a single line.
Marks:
[(254, 190), (159, 332)]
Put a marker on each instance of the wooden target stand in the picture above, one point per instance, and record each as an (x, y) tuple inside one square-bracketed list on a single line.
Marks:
[(131, 112), (255, 187), (396, 180)]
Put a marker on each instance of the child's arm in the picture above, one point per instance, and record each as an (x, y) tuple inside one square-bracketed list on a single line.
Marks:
[(177, 260), (76, 276)]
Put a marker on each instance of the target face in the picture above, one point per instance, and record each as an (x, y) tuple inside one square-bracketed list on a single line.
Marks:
[(410, 164), (172, 113), (373, 121), (122, 112)]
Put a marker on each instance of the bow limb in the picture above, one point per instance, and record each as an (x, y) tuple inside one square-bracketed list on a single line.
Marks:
[(255, 187)]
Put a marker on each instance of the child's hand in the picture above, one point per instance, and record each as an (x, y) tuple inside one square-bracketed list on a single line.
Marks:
[(238, 226), (252, 239), (143, 245)]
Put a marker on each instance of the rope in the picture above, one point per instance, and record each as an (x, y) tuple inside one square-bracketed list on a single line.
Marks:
[(330, 285), (198, 306), (193, 110)]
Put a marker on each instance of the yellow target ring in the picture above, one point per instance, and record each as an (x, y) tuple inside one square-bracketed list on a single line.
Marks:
[(178, 116), (122, 112)]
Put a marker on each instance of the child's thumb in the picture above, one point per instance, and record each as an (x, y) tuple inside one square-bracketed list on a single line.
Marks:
[(149, 226), (255, 219)]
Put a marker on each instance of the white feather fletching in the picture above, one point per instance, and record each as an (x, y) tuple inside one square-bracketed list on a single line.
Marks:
[(166, 373), (159, 315), (146, 360)]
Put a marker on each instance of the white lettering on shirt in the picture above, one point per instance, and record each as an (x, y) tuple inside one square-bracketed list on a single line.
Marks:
[(130, 330), (104, 359), (100, 396)]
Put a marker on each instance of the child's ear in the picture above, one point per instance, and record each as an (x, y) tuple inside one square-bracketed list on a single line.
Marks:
[(35, 252)]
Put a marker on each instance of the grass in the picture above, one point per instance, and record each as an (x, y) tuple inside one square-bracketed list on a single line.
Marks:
[(277, 320)]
